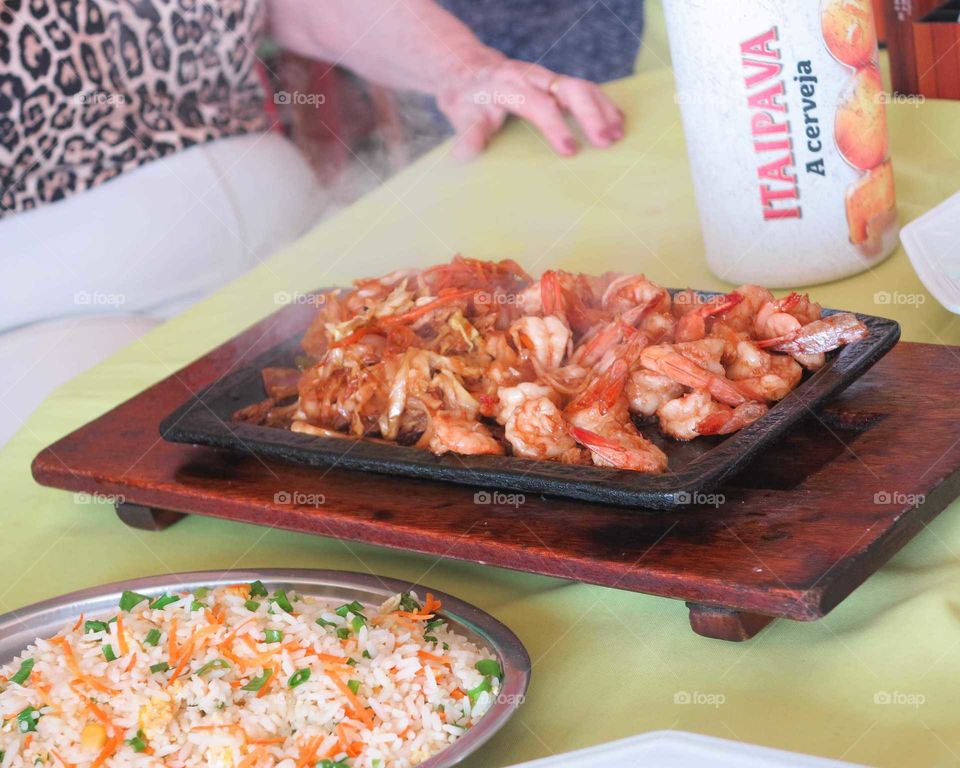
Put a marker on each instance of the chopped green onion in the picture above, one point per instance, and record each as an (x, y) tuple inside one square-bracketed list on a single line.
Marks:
[(258, 682), (281, 599), (272, 636), (95, 626), (445, 647), (377, 763), (353, 685), (23, 673), (161, 667), (108, 653), (27, 720), (366, 654), (163, 601), (153, 637), (409, 604), (138, 742), (251, 605), (343, 633), (130, 599), (196, 605), (489, 667), (357, 622), (201, 593), (214, 664), (430, 639), (352, 607), (299, 678), (324, 623), (474, 693), (432, 624), (351, 662), (257, 589), (330, 764)]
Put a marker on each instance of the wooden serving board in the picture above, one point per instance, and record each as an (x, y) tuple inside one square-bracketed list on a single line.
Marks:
[(797, 532)]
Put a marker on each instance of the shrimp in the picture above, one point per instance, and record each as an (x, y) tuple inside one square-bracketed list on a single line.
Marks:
[(570, 297), (623, 450), (784, 316), (629, 291), (680, 417), (693, 324), (698, 413), (600, 420), (666, 360), (509, 398), (453, 432), (546, 340), (647, 391), (742, 316), (762, 376), (536, 429), (819, 337), (726, 420)]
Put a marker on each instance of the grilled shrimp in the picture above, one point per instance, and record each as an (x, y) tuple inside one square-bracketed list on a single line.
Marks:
[(762, 376), (536, 429), (699, 414), (623, 450), (510, 398), (545, 339), (667, 361), (647, 391), (693, 324), (782, 317), (450, 431)]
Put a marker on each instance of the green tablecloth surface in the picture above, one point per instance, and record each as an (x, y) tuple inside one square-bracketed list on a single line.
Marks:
[(875, 682)]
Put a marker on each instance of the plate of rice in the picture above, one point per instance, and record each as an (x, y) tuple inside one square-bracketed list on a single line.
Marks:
[(250, 669)]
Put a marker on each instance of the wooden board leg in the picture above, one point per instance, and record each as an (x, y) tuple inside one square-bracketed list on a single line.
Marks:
[(725, 623), (146, 518)]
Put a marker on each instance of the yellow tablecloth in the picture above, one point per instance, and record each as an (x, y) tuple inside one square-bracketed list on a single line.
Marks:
[(875, 682)]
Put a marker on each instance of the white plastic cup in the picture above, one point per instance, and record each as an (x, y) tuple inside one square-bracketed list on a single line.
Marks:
[(785, 121)]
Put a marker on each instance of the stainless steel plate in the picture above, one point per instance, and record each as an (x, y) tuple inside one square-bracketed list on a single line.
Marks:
[(20, 628)]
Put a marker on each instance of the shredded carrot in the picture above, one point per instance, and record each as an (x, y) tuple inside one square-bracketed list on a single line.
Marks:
[(266, 686), (456, 694), (172, 649), (432, 658), (62, 761), (75, 668), (309, 752), (359, 711), (250, 760), (27, 741), (415, 616), (121, 640), (133, 660), (108, 749), (432, 605), (273, 740), (355, 748), (229, 638), (75, 628)]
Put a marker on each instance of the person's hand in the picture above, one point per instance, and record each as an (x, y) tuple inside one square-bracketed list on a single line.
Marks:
[(478, 104)]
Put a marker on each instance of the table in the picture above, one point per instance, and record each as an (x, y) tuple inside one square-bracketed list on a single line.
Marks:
[(874, 682)]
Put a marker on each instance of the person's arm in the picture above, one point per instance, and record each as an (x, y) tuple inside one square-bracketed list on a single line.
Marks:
[(416, 45)]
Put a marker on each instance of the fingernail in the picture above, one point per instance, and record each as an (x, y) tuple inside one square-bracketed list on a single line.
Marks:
[(569, 146), (616, 134)]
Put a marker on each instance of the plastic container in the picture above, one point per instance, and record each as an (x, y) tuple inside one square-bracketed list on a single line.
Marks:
[(784, 115)]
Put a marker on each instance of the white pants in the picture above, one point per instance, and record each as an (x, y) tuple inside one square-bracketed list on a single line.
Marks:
[(82, 277)]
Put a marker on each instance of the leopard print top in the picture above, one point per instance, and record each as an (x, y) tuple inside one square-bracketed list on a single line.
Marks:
[(92, 88)]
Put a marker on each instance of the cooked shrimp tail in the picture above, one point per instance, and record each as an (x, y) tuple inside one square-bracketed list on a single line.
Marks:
[(634, 452), (728, 420), (819, 336)]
